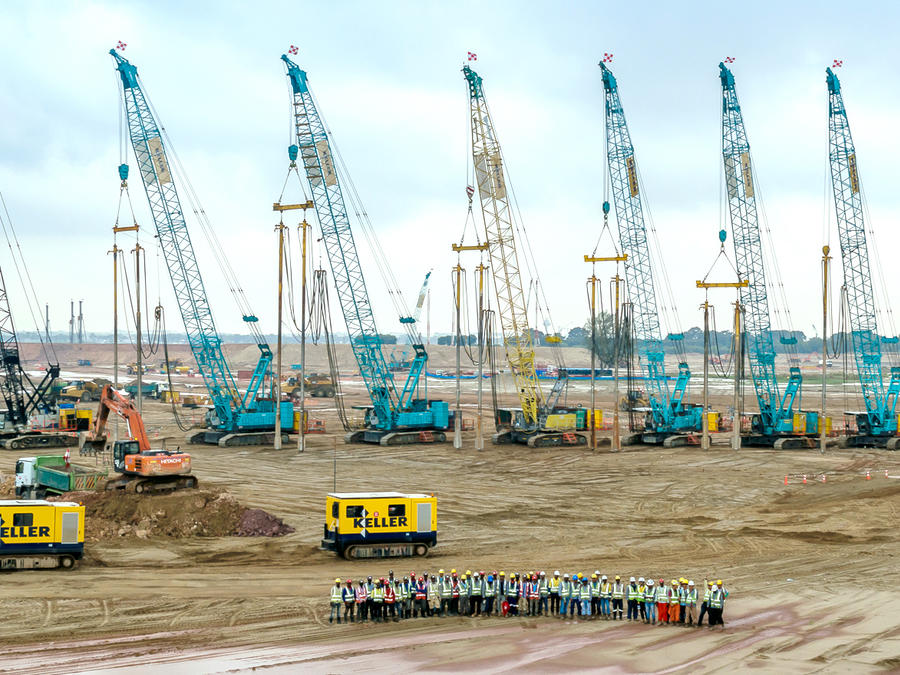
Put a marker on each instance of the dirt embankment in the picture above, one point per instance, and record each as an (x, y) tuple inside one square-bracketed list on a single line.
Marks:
[(180, 514)]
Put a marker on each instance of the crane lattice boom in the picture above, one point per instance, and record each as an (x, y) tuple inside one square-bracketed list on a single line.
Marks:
[(776, 412), (667, 409), (880, 405), (504, 260)]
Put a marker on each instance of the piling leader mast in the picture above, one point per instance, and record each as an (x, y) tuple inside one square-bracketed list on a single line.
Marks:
[(527, 425), (395, 417), (235, 419), (773, 426), (670, 421), (877, 425)]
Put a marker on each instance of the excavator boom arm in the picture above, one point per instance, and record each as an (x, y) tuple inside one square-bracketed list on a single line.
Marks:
[(112, 401)]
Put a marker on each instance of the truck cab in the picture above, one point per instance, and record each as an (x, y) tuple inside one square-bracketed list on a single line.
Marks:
[(26, 476)]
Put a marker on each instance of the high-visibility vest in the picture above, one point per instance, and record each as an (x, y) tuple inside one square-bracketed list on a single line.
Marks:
[(554, 584), (565, 588), (446, 588), (337, 595), (421, 591), (454, 586), (606, 590), (362, 594), (464, 587), (691, 598), (490, 589), (512, 589), (632, 592), (662, 594), (706, 595), (585, 591), (641, 594), (543, 589), (378, 594), (673, 595), (478, 586), (389, 595), (716, 598), (682, 596), (618, 590)]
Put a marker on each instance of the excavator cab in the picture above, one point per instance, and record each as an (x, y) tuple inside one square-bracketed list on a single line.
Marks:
[(122, 448)]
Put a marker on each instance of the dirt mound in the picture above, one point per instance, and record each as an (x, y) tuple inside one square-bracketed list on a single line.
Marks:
[(8, 486), (180, 514), (258, 523)]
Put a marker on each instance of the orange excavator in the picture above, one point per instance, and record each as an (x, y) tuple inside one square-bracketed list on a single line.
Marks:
[(141, 469)]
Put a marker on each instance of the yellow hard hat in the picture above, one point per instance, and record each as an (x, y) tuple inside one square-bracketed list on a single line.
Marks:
[(682, 580), (502, 573), (337, 581), (593, 576), (618, 577), (674, 581), (718, 582), (441, 571), (453, 571), (463, 577), (468, 573)]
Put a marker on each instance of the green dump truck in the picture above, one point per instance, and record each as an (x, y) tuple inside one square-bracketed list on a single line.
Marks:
[(38, 477)]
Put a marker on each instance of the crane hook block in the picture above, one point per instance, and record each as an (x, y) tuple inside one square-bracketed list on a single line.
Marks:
[(123, 172), (292, 152), (250, 318), (605, 208), (722, 236)]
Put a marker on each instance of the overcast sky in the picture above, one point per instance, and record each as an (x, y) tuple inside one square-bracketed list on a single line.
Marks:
[(388, 82)]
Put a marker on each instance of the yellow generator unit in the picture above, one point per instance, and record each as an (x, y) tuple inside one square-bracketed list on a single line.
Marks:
[(380, 524), (40, 534)]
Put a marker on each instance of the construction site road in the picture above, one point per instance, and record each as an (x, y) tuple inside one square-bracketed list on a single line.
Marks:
[(811, 568)]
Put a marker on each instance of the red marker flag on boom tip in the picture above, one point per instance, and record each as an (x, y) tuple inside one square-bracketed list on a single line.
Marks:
[(729, 59), (121, 46), (607, 58), (837, 63), (293, 50), (472, 56)]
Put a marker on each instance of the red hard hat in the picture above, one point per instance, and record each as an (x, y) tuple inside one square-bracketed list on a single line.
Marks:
[(349, 581), (421, 578)]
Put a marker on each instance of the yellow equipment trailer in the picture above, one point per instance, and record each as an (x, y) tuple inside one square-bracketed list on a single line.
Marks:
[(380, 524), (40, 534)]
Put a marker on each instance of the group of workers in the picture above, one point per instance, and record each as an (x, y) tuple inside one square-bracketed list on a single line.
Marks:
[(532, 594)]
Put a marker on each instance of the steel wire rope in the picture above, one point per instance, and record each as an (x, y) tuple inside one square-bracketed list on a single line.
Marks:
[(322, 322), (369, 232), (19, 263), (780, 307), (530, 261), (212, 239), (160, 317)]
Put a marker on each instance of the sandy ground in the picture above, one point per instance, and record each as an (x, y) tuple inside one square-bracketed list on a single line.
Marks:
[(812, 569)]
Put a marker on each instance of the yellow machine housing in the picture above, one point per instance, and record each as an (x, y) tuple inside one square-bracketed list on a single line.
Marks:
[(40, 534), (379, 524)]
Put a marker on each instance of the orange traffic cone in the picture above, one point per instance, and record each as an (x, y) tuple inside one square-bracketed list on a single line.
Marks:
[(868, 475), (886, 474), (785, 480), (804, 479), (823, 477)]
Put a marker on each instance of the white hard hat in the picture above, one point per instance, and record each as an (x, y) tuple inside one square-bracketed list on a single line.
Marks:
[(690, 583), (603, 578), (566, 575), (556, 573), (632, 579), (649, 582), (641, 579), (597, 572)]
